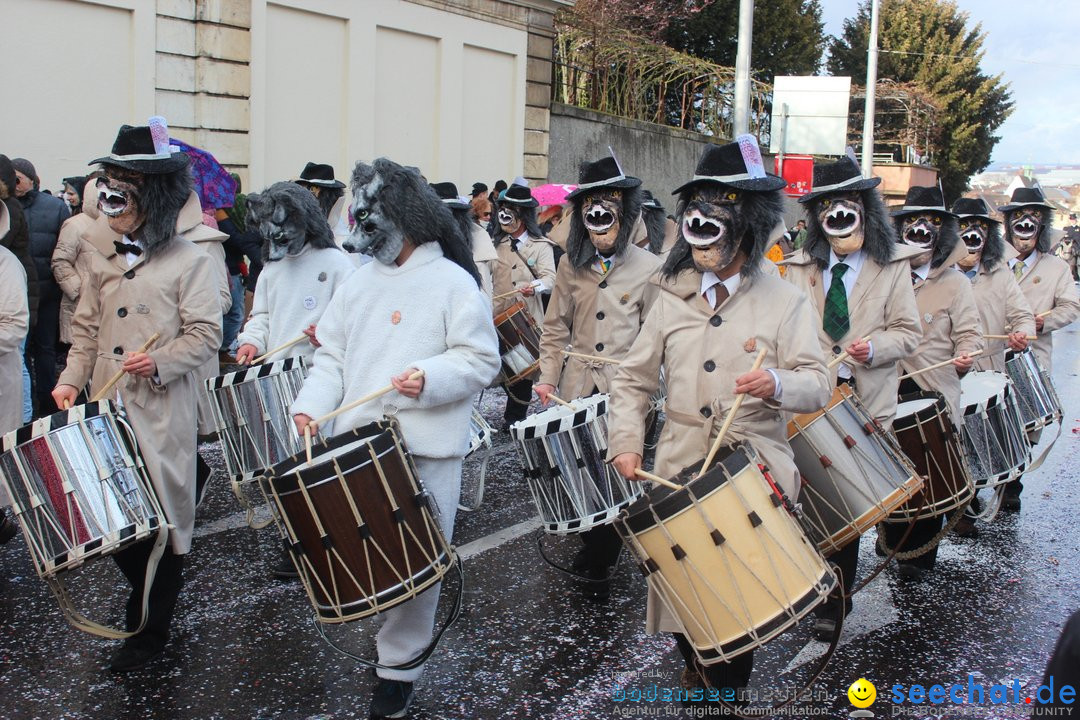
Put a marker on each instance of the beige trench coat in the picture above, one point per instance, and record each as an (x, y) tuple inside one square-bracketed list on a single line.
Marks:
[(1048, 285), (950, 327), (14, 321), (598, 315), (189, 225), (1002, 309), (703, 351), (174, 293), (70, 262), (881, 306), (510, 272), (484, 255)]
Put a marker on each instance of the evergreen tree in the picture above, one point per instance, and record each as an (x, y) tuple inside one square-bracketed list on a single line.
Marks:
[(931, 44)]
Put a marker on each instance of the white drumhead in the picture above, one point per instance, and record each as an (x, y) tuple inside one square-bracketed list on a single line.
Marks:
[(559, 418), (976, 388), (913, 406)]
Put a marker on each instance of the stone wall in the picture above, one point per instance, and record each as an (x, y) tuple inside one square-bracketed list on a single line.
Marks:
[(663, 157)]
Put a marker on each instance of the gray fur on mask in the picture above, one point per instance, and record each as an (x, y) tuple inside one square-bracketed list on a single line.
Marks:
[(879, 234), (287, 217)]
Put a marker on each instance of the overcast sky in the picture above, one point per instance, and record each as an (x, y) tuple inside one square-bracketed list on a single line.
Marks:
[(1037, 47)]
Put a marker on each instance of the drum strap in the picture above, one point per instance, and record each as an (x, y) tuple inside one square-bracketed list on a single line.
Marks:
[(930, 544), (81, 622), (455, 613), (527, 265), (1046, 451)]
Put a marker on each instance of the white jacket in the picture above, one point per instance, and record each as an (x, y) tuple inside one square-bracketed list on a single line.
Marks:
[(429, 314), (293, 293)]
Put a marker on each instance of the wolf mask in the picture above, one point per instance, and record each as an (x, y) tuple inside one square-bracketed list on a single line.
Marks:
[(716, 222), (392, 205), (602, 222), (984, 242), (847, 221), (935, 233), (287, 217), (1026, 229), (144, 206)]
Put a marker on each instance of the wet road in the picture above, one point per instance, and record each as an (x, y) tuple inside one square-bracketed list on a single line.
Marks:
[(528, 645)]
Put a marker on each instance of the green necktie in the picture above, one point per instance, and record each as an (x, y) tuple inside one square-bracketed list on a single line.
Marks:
[(835, 319), (1018, 270)]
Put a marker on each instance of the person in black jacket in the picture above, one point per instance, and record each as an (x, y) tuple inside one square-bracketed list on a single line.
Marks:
[(44, 216)]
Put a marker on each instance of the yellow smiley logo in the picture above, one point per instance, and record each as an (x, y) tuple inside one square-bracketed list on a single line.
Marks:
[(862, 693)]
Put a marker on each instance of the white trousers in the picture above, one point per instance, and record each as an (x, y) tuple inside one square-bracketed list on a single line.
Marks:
[(406, 628)]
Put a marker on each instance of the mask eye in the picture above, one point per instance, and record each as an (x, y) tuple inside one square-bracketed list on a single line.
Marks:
[(733, 196), (362, 215), (826, 203), (935, 220)]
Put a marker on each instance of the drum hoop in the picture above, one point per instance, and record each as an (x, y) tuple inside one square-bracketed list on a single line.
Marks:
[(287, 475), (920, 417), (661, 503), (562, 420), (56, 421), (239, 377), (518, 306)]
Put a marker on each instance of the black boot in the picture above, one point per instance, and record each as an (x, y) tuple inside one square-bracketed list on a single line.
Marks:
[(140, 649)]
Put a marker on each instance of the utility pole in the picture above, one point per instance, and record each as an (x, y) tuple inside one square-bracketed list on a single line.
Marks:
[(871, 92), (741, 121)]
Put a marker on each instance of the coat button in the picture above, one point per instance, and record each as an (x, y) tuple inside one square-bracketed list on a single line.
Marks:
[(709, 366), (836, 349), (706, 411), (600, 315), (599, 347), (122, 312), (118, 350), (715, 320), (129, 274), (603, 284)]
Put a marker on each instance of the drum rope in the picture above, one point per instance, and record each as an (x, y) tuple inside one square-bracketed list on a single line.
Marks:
[(889, 558), (927, 547), (571, 573), (455, 613)]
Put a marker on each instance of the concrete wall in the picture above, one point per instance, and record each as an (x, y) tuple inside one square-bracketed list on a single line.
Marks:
[(662, 157)]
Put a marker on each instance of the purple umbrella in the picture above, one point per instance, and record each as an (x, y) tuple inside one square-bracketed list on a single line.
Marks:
[(215, 186)]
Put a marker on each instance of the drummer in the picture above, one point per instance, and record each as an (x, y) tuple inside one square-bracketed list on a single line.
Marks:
[(303, 269), (860, 284), (152, 281), (1046, 281), (950, 329), (524, 270), (601, 297), (715, 310), (418, 306), (1003, 309)]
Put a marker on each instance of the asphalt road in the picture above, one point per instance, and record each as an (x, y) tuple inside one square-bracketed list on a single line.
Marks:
[(528, 645)]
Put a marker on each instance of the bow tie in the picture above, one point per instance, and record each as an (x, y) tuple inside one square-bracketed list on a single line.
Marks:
[(123, 248)]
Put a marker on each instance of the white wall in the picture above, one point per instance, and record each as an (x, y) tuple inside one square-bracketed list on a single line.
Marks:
[(77, 70), (450, 90)]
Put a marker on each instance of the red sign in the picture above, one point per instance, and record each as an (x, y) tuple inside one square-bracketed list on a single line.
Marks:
[(798, 171)]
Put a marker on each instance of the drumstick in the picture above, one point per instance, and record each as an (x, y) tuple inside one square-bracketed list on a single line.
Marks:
[(356, 403), (278, 349), (941, 364), (1006, 337), (505, 294), (1044, 314), (556, 398), (100, 395), (597, 358), (657, 479), (307, 441), (730, 416), (843, 356)]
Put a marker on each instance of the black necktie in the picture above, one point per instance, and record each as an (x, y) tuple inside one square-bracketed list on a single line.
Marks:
[(123, 248)]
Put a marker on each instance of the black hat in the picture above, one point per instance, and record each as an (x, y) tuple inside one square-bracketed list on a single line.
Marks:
[(1026, 197), (78, 182), (843, 175), (725, 165), (447, 192), (478, 187), (648, 201), (972, 207), (604, 173), (321, 175), (518, 195), (922, 199), (145, 149)]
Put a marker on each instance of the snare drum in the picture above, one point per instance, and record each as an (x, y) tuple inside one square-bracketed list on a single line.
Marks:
[(563, 451), (358, 523), (472, 481), (994, 440), (519, 343), (853, 473), (728, 562), (251, 413), (78, 487), (480, 432), (929, 439), (1036, 398)]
